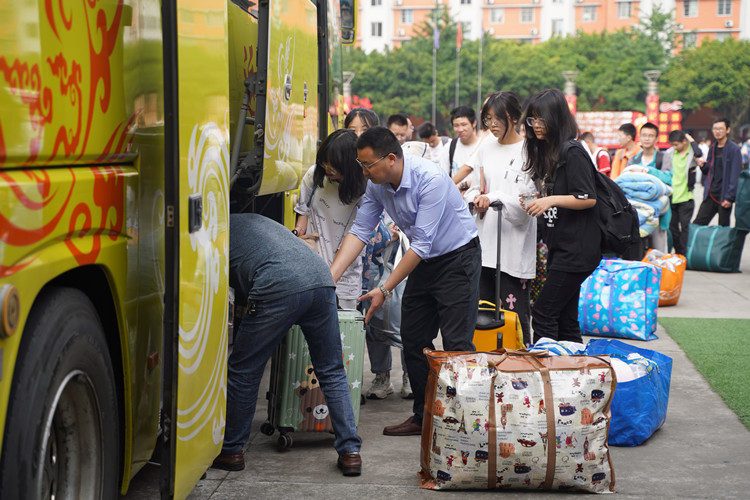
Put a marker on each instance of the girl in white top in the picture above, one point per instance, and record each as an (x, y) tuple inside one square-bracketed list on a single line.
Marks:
[(498, 175), (329, 196)]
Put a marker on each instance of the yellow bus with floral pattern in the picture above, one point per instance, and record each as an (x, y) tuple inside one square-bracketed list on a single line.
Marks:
[(129, 130)]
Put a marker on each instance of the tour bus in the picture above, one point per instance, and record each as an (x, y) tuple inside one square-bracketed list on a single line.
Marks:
[(129, 130)]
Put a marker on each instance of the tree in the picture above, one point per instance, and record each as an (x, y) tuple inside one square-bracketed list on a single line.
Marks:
[(717, 75)]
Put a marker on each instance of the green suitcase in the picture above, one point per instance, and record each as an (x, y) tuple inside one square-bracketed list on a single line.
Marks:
[(295, 399)]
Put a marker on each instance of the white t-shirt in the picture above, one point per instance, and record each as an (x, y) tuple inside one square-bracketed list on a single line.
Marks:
[(505, 179), (460, 156), (434, 153), (331, 219)]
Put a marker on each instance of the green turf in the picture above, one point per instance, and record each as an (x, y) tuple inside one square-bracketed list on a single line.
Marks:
[(720, 350)]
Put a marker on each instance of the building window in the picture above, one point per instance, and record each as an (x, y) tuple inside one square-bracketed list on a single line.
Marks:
[(624, 10), (527, 15), (497, 15), (690, 9), (376, 29), (376, 2), (214, 18), (589, 14), (720, 37), (465, 2), (689, 40), (557, 26), (724, 7), (407, 16)]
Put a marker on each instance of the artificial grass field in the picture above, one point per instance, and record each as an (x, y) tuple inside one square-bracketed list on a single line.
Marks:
[(720, 350)]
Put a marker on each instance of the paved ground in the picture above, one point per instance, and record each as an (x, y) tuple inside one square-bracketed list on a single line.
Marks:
[(702, 451)]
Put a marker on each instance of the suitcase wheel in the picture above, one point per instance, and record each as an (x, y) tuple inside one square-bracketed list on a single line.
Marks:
[(267, 429), (285, 441)]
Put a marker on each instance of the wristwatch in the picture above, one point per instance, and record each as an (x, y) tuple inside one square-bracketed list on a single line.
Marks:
[(385, 292)]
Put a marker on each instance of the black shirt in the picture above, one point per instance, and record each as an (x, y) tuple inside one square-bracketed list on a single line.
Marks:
[(717, 173), (573, 236)]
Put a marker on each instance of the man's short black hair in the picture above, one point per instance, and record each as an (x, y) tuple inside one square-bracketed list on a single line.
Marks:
[(381, 140), (677, 136), (399, 119), (722, 119), (628, 129), (426, 130), (464, 112), (651, 126), (586, 136)]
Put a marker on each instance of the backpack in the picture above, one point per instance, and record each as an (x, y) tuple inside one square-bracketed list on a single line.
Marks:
[(618, 220)]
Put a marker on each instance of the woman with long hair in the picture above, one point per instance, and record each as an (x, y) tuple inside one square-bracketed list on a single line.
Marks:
[(568, 205), (360, 119), (498, 175), (329, 196)]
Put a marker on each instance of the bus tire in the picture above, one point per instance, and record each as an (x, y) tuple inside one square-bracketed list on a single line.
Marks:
[(62, 432)]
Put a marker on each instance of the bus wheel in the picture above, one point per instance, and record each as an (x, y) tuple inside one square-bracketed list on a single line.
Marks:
[(62, 437)]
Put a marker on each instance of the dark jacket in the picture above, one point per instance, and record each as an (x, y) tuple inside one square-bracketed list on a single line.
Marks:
[(732, 163)]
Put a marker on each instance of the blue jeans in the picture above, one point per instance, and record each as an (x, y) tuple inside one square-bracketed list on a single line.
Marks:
[(381, 359), (259, 334)]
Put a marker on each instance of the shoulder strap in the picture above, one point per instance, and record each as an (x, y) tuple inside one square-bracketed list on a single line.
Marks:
[(452, 150), (312, 193), (659, 159)]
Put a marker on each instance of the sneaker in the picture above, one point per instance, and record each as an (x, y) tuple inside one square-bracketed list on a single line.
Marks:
[(406, 391), (381, 386)]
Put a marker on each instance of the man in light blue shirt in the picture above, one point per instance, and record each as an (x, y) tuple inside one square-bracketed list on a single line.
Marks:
[(443, 262)]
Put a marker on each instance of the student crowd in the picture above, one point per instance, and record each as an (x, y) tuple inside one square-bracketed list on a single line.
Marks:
[(373, 187)]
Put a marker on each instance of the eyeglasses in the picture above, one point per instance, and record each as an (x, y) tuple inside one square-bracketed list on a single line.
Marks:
[(531, 121), (329, 169), (489, 123), (368, 167)]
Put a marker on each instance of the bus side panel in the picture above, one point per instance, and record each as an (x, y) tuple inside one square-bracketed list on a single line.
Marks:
[(204, 253), (57, 221), (61, 74), (81, 83), (292, 109)]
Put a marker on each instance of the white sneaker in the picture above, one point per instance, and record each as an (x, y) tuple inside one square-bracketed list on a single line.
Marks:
[(381, 386), (406, 391)]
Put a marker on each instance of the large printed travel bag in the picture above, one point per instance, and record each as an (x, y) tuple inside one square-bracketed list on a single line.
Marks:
[(515, 419), (619, 299)]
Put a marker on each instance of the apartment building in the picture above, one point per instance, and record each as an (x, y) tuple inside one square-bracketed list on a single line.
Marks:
[(388, 23)]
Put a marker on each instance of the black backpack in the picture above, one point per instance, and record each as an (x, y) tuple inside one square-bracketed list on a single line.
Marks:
[(618, 220)]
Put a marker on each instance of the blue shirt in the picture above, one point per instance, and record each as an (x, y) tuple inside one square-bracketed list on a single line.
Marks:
[(427, 207)]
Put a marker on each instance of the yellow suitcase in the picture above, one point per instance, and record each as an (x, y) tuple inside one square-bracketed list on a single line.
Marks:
[(491, 333), (497, 327)]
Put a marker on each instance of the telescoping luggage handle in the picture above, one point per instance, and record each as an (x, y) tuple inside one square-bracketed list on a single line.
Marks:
[(497, 205)]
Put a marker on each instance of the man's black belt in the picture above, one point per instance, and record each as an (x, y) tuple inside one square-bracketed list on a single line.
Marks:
[(471, 244)]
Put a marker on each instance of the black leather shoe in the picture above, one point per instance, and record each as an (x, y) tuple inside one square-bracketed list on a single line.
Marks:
[(350, 464), (229, 461), (408, 428)]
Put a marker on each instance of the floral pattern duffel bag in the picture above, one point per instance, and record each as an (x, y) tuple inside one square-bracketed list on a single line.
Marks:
[(515, 419), (620, 299)]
